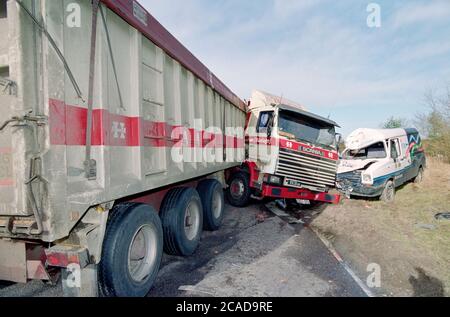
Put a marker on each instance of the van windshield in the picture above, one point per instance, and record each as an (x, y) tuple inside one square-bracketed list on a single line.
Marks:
[(306, 129), (375, 151)]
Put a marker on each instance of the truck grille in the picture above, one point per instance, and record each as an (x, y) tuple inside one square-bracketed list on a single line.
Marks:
[(307, 170)]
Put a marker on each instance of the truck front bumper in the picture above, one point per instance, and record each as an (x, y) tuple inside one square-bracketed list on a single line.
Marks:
[(295, 193)]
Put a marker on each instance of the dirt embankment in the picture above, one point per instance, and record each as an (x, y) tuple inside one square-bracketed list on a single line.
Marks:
[(411, 246)]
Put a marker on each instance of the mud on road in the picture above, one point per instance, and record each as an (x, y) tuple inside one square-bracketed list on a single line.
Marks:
[(254, 254)]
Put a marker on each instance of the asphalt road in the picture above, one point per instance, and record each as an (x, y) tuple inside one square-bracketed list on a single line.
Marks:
[(254, 254)]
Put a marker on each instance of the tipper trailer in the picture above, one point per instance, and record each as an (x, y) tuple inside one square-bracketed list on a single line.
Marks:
[(116, 144)]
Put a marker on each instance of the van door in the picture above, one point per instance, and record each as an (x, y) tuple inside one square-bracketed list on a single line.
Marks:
[(399, 162)]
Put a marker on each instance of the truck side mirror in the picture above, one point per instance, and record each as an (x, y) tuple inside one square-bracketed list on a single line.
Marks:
[(339, 139)]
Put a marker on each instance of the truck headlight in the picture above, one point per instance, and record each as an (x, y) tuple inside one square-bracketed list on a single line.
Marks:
[(367, 179), (275, 180)]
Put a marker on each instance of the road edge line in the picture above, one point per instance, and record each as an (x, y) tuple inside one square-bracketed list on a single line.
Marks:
[(338, 257)]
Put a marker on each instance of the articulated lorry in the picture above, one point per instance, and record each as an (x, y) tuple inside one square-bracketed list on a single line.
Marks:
[(116, 145)]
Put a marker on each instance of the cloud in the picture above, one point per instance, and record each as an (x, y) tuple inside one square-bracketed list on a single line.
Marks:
[(431, 11), (285, 8), (323, 55)]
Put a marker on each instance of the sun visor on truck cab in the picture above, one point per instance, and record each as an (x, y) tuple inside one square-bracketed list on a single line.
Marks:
[(261, 99), (308, 115)]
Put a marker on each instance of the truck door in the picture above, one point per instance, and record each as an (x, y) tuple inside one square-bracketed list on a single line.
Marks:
[(260, 145)]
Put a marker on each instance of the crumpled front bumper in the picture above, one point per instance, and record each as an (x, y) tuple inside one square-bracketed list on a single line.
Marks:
[(350, 187)]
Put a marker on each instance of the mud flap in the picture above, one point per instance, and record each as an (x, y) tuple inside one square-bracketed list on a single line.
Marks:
[(13, 262), (80, 282)]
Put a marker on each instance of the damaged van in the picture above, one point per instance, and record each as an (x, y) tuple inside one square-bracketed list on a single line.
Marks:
[(376, 162)]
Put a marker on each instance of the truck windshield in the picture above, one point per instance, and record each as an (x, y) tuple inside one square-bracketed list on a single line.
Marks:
[(306, 129)]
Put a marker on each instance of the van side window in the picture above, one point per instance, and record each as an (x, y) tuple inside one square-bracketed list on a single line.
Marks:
[(394, 149), (265, 120)]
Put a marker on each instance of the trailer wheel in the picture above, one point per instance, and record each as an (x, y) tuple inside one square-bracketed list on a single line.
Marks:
[(132, 251), (182, 217), (239, 192), (388, 195), (211, 194), (419, 177)]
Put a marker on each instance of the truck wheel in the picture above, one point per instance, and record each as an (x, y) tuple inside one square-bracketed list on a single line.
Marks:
[(182, 218), (132, 251), (419, 177), (211, 194), (388, 195), (238, 193)]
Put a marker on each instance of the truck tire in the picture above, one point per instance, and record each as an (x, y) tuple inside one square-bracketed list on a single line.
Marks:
[(132, 251), (419, 178), (388, 195), (213, 201), (238, 192), (182, 218)]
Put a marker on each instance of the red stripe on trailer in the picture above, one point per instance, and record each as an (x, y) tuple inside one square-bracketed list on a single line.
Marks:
[(68, 127), (137, 16), (6, 182)]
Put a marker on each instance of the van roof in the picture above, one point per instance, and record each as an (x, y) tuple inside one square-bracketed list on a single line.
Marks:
[(363, 138)]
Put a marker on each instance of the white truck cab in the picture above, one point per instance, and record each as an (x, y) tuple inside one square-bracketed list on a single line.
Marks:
[(376, 162), (291, 153)]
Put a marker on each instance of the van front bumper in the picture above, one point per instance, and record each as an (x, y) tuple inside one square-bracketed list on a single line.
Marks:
[(350, 188)]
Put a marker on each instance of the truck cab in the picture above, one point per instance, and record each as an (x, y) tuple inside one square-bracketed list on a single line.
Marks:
[(376, 162), (291, 153)]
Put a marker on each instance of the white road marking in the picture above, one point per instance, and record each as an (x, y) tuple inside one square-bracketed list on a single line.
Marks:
[(333, 251)]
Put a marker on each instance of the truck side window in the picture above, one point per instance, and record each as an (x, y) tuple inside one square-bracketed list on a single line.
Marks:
[(3, 9), (265, 120)]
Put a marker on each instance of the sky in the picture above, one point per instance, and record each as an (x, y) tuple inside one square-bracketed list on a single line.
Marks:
[(321, 53)]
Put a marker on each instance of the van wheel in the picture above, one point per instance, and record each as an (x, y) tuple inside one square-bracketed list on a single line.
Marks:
[(388, 195), (182, 218), (211, 194), (419, 177), (238, 192), (132, 251)]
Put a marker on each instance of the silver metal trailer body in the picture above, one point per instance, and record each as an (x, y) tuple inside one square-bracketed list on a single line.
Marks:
[(54, 165)]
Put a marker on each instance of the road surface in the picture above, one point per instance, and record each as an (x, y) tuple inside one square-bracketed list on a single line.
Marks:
[(254, 254)]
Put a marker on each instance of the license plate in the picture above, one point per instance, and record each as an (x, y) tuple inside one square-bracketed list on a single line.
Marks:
[(293, 183)]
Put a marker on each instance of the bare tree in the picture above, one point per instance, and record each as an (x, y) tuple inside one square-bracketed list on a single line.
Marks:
[(395, 123), (435, 124)]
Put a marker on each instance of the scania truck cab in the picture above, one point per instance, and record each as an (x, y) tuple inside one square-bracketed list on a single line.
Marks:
[(376, 162), (291, 154)]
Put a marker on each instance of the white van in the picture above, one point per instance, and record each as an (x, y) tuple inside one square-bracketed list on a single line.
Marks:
[(376, 162)]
